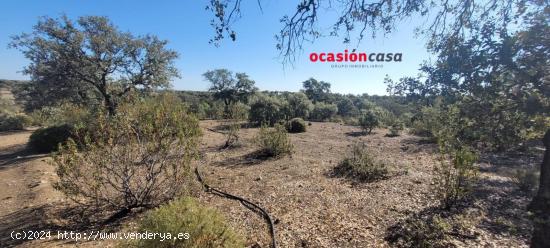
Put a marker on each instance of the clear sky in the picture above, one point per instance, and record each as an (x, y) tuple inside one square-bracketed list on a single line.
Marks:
[(186, 24)]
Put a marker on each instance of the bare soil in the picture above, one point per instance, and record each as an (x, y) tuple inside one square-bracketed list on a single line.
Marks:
[(310, 205)]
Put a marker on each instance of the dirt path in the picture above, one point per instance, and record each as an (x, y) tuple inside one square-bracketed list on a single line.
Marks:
[(26, 193)]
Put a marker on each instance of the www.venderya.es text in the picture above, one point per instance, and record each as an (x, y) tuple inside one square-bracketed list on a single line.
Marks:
[(96, 235)]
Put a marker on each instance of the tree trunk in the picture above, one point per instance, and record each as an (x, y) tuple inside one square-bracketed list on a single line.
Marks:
[(540, 205)]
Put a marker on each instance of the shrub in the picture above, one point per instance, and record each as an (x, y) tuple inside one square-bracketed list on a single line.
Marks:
[(323, 111), (346, 107), (368, 121), (352, 121), (138, 158), (299, 106), (48, 139), (454, 175), (426, 122), (274, 142), (296, 125), (527, 179), (266, 110), (395, 129), (361, 166), (9, 121), (238, 111), (66, 113), (206, 227)]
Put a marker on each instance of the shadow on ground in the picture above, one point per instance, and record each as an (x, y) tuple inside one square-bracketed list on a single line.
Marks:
[(252, 158), (16, 154), (53, 218)]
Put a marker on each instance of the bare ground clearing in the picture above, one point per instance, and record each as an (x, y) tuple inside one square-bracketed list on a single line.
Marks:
[(312, 208)]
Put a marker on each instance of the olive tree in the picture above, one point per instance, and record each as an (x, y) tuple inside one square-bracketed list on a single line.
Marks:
[(90, 60)]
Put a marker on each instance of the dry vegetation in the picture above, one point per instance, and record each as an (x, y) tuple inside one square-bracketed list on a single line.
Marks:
[(312, 206)]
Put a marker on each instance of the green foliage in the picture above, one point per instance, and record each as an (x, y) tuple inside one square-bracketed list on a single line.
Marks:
[(455, 173), (369, 121), (238, 111), (144, 152), (115, 64), (361, 166), (299, 106), (206, 227), (65, 113), (323, 111), (48, 139), (527, 179), (395, 129), (8, 106), (346, 107), (296, 125), (229, 87), (316, 91), (266, 110), (426, 123), (274, 142), (11, 121)]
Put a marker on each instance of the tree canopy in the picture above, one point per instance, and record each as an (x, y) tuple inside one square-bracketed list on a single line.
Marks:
[(91, 61), (317, 91), (230, 87)]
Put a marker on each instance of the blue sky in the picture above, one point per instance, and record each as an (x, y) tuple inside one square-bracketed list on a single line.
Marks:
[(186, 24)]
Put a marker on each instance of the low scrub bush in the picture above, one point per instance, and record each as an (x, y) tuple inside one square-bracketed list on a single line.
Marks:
[(296, 125), (323, 111), (426, 123), (138, 158), (454, 175), (274, 142), (368, 121), (206, 227), (395, 129), (66, 113), (48, 139), (10, 121), (361, 166), (527, 179), (266, 110)]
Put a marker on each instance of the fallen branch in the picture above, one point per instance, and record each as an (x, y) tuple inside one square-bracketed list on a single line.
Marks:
[(248, 204)]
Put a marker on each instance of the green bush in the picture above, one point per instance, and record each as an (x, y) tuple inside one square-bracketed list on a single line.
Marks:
[(144, 152), (427, 122), (206, 227), (274, 142), (9, 121), (361, 166), (266, 110), (48, 139), (395, 129), (238, 111), (299, 106), (65, 113), (296, 125), (323, 111), (454, 175), (368, 121)]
